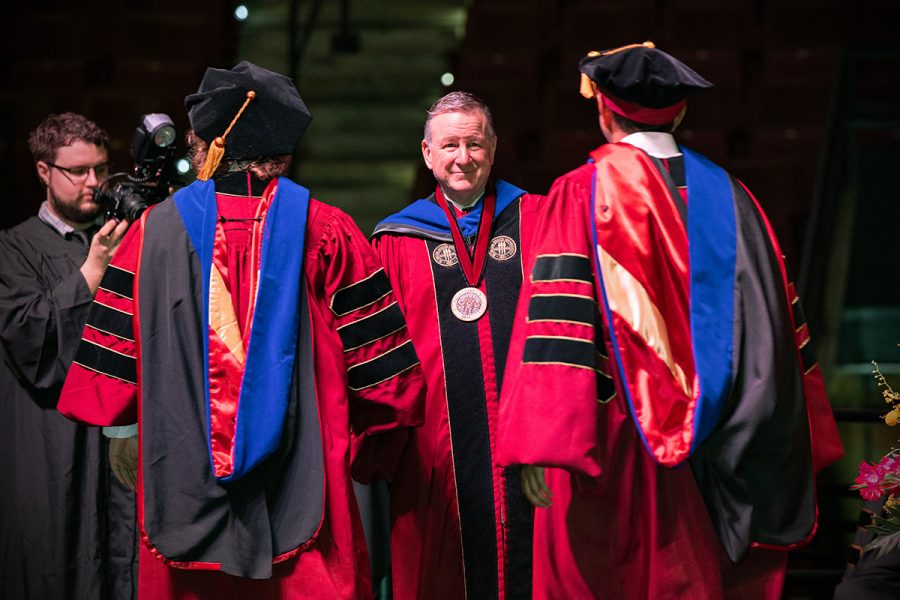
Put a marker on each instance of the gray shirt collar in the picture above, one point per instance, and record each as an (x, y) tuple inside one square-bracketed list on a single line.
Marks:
[(62, 228)]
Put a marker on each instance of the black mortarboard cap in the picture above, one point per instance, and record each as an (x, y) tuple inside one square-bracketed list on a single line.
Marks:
[(270, 125), (642, 74)]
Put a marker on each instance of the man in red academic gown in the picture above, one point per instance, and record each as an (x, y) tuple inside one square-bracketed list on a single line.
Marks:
[(460, 524), (247, 328), (661, 389)]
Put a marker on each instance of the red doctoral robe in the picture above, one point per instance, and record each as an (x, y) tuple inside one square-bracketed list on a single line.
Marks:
[(461, 526), (353, 360), (621, 525)]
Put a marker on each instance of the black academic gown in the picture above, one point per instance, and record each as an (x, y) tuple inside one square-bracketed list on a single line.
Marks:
[(54, 484)]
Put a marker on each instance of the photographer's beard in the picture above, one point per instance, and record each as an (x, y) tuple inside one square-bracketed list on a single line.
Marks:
[(72, 198), (80, 209)]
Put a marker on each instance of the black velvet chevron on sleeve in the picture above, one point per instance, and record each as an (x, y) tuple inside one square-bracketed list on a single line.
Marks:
[(379, 369), (371, 328), (118, 281), (562, 267), (361, 294), (103, 360)]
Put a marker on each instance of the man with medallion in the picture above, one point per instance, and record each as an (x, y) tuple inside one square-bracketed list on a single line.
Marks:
[(460, 524)]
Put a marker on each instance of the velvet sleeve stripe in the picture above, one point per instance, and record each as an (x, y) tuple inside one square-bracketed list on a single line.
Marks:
[(383, 367), (807, 355), (562, 267), (567, 308), (560, 351), (799, 315), (110, 320), (103, 360), (118, 281), (361, 294), (372, 327), (606, 390)]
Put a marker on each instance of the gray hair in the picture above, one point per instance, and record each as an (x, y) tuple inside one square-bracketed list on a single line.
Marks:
[(464, 102)]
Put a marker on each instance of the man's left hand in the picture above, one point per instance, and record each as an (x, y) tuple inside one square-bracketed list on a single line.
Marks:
[(534, 486), (123, 454)]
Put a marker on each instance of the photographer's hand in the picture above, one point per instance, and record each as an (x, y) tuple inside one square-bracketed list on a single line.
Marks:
[(103, 246)]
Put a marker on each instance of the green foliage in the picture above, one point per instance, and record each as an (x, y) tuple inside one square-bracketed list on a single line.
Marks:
[(886, 529)]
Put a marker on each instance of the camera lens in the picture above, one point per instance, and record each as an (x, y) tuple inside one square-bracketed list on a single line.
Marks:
[(164, 136), (132, 206)]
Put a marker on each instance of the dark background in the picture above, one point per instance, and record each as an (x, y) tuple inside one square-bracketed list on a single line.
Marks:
[(805, 112)]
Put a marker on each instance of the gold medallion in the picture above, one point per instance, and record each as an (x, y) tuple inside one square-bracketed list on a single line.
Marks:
[(502, 247), (468, 304), (445, 255)]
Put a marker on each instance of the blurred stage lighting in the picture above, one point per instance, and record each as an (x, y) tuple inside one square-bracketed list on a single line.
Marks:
[(182, 165)]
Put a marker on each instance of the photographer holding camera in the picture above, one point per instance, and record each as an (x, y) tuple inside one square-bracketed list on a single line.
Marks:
[(53, 492)]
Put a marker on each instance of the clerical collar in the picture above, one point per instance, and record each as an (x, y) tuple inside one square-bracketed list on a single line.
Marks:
[(655, 143), (465, 207)]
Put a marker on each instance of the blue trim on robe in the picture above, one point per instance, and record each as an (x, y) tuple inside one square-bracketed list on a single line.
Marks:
[(426, 215), (712, 235), (265, 387), (712, 247)]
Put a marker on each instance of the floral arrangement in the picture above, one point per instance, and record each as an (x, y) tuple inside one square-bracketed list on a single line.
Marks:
[(877, 479)]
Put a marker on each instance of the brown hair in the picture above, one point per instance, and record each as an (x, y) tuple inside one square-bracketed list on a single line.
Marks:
[(58, 131), (263, 167), (464, 102)]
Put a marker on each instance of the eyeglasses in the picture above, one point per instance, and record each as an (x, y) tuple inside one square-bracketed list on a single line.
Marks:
[(80, 174)]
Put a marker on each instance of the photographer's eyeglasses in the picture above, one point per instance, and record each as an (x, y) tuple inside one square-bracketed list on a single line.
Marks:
[(79, 175)]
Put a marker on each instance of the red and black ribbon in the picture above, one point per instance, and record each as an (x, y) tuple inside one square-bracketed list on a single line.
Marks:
[(472, 266)]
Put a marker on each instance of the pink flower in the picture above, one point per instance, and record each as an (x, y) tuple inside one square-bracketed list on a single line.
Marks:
[(869, 480), (890, 464), (890, 467)]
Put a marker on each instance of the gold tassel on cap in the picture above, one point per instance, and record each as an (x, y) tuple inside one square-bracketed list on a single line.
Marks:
[(217, 149), (588, 87)]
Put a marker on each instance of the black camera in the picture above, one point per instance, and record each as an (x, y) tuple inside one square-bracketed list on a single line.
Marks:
[(128, 195)]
